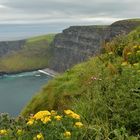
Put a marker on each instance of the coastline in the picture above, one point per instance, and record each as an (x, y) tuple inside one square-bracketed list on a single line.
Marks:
[(46, 71)]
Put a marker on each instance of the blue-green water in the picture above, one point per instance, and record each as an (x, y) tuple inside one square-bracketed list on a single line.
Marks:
[(16, 90)]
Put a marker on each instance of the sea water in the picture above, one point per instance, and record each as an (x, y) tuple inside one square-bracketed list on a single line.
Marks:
[(17, 90)]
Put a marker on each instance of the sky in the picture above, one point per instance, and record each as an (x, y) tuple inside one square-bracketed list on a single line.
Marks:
[(59, 14)]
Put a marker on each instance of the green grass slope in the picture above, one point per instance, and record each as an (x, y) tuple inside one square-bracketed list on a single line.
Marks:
[(105, 91), (32, 56)]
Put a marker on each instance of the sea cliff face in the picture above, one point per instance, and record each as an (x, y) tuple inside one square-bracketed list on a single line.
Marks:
[(78, 43), (75, 45), (7, 47)]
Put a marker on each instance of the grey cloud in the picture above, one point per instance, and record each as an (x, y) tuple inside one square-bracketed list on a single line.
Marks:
[(67, 10)]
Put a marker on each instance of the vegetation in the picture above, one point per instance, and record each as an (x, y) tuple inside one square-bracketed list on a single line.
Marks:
[(105, 91), (32, 56), (43, 125)]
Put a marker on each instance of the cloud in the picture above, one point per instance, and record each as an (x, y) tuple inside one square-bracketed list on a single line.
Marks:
[(64, 11)]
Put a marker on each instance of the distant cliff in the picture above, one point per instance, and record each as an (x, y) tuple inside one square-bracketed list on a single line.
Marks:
[(7, 47), (25, 55), (78, 43)]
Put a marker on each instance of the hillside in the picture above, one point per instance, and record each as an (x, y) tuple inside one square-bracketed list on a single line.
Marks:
[(30, 55), (98, 99), (105, 90)]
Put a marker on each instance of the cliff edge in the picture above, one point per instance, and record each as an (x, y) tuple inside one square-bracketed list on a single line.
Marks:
[(77, 43)]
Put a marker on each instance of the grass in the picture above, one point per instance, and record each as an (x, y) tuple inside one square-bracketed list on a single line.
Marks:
[(37, 39), (135, 19), (105, 91), (33, 55)]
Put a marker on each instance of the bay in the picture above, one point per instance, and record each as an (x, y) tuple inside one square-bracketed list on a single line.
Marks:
[(17, 90)]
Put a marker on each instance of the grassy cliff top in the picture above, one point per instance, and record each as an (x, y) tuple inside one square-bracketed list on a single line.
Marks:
[(33, 55), (48, 37)]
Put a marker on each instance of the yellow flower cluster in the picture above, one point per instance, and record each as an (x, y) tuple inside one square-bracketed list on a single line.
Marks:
[(124, 63), (136, 47), (19, 132), (53, 112), (78, 124), (138, 52), (110, 53), (136, 64), (30, 121), (39, 137), (71, 114), (58, 118), (41, 114), (67, 134), (44, 116), (46, 119), (3, 132), (129, 53)]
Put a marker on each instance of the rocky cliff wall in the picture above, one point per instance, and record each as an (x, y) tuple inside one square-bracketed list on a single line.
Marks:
[(78, 43), (7, 47)]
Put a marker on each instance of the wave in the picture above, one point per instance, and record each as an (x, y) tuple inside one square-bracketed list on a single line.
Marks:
[(24, 74)]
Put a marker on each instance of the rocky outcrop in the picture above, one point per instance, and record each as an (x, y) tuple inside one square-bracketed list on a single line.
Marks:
[(78, 43), (75, 45), (7, 47), (122, 27)]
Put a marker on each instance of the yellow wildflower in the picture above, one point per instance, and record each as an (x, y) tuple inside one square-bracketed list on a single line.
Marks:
[(110, 53), (67, 134), (70, 113), (136, 64), (78, 124), (3, 132), (41, 114), (75, 116), (40, 136), (129, 53), (46, 119), (124, 64), (53, 112), (135, 47), (30, 122), (19, 132), (67, 112), (58, 118)]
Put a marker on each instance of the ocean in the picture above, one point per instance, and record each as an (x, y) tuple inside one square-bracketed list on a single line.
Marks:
[(17, 90)]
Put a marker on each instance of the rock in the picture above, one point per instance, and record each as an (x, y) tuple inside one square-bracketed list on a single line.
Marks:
[(7, 47), (78, 43)]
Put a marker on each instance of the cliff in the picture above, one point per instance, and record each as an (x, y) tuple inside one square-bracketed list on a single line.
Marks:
[(7, 47), (74, 45), (78, 43)]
